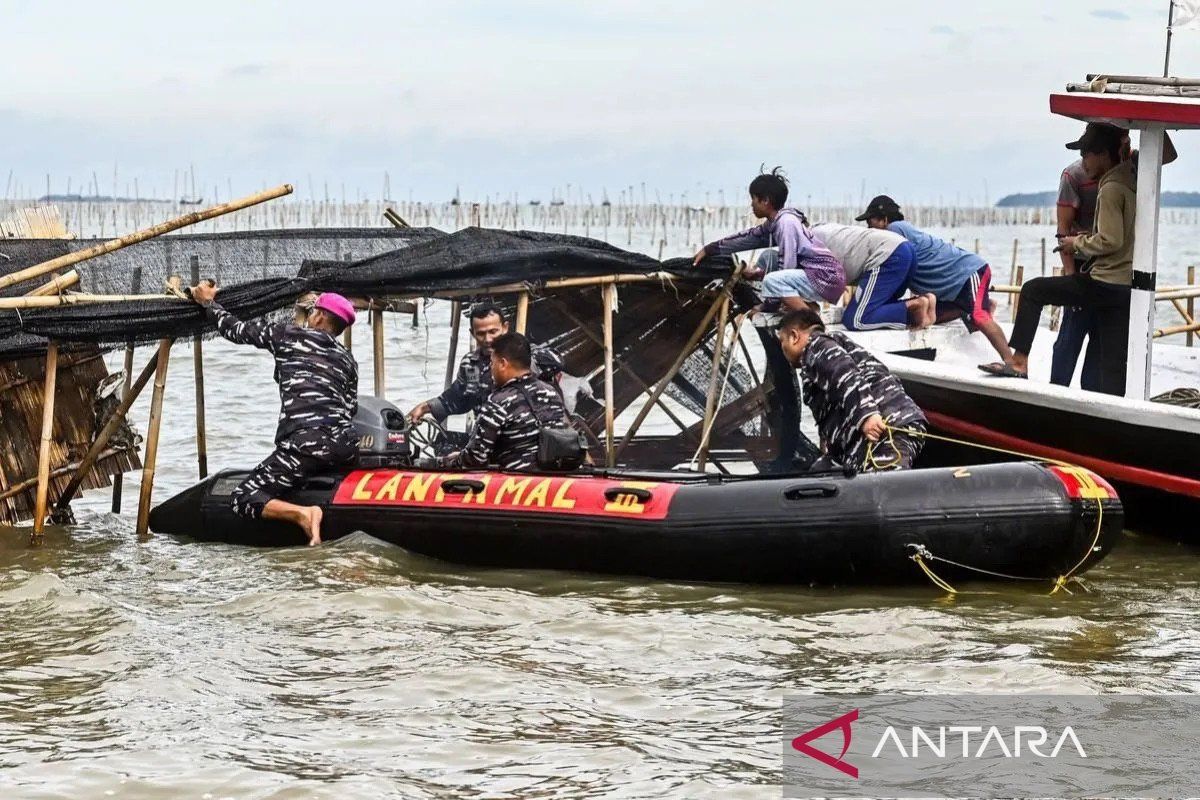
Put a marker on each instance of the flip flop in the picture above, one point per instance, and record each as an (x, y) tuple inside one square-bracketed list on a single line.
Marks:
[(1000, 369)]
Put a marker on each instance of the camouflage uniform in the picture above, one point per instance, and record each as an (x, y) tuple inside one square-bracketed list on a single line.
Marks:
[(506, 431), (474, 382), (318, 392), (843, 385)]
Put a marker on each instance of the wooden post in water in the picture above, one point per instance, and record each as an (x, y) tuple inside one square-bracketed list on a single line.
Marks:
[(452, 356), (714, 379), (1012, 276), (152, 433), (114, 422), (198, 372), (608, 295), (522, 312), (1016, 296), (348, 334), (1043, 273), (42, 498), (377, 350), (119, 478), (1191, 302)]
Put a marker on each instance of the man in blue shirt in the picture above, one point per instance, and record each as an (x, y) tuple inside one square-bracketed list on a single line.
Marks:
[(958, 279)]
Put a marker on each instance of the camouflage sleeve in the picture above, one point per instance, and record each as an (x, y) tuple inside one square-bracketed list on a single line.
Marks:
[(352, 389), (458, 399), (547, 364), (484, 435), (845, 380), (258, 332)]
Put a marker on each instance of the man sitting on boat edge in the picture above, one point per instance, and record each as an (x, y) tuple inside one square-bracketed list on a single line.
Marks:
[(807, 273), (318, 393), (474, 384), (861, 409), (508, 428)]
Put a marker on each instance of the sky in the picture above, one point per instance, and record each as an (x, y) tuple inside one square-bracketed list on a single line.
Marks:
[(933, 101)]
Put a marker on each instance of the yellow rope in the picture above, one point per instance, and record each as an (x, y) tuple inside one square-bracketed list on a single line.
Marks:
[(1061, 582)]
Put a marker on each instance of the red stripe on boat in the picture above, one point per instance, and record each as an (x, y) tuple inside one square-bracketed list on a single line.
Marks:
[(1139, 476), (494, 491)]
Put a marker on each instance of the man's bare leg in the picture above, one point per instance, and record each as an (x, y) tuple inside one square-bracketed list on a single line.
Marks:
[(307, 518), (995, 334)]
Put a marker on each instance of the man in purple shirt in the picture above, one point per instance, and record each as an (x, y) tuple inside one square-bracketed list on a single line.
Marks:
[(806, 272)]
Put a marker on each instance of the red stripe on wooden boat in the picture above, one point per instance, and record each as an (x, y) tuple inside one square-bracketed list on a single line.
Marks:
[(1139, 476)]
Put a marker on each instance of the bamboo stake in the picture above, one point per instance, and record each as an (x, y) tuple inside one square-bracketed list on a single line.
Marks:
[(1174, 329), (455, 325), (57, 472), (59, 283), (119, 478), (710, 402), (1191, 303), (348, 334), (80, 299), (1012, 276), (522, 311), (377, 352), (198, 371), (71, 259), (43, 477), (119, 414), (684, 352), (152, 432), (1016, 298), (608, 295)]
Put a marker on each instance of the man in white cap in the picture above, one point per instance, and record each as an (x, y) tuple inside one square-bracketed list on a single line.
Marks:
[(318, 392)]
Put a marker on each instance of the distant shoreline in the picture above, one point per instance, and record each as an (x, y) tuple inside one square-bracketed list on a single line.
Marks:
[(1046, 199)]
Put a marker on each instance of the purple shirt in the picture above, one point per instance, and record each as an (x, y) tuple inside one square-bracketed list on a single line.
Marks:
[(798, 249)]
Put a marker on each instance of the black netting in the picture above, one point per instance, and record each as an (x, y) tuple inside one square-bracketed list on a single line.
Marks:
[(410, 262)]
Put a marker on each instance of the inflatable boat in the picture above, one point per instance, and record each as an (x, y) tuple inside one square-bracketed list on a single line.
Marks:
[(1025, 520)]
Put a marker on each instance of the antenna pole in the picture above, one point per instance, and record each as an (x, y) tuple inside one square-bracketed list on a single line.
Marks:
[(1170, 22)]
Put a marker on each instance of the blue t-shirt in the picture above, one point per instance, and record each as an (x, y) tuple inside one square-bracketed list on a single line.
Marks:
[(941, 268)]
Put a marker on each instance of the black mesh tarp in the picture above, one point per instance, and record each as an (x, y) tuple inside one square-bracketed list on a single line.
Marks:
[(427, 262)]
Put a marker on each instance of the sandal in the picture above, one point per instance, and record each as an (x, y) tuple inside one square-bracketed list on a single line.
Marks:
[(1001, 369)]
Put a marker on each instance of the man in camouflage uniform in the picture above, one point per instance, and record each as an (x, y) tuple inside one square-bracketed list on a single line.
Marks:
[(474, 383), (853, 397), (506, 431), (318, 391)]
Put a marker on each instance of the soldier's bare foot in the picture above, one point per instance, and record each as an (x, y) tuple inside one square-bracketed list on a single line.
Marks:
[(312, 524), (930, 309)]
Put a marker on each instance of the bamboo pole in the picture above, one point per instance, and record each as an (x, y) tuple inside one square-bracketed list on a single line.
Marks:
[(348, 334), (152, 433), (1174, 329), (1043, 273), (119, 479), (1191, 303), (684, 352), (1012, 276), (80, 299), (522, 312), (17, 488), (198, 372), (710, 401), (608, 295), (455, 326), (71, 259), (377, 352), (119, 414), (43, 477), (1016, 298), (59, 283)]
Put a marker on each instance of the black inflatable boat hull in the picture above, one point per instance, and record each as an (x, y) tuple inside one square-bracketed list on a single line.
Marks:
[(1018, 519)]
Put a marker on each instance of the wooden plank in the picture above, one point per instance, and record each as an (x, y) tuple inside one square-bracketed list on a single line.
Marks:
[(41, 504)]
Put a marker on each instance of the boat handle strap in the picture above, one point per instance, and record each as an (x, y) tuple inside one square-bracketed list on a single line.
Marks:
[(613, 492), (462, 486), (811, 490)]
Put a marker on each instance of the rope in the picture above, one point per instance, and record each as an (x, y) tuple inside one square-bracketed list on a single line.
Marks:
[(1186, 397), (921, 552)]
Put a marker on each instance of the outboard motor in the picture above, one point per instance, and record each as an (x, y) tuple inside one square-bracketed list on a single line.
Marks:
[(383, 439)]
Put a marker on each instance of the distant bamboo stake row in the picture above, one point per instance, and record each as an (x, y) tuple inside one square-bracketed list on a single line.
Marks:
[(70, 259)]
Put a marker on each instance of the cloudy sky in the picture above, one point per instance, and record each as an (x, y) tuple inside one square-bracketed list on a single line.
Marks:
[(927, 99)]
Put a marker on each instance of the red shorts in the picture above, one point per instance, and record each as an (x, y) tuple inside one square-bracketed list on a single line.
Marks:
[(973, 300)]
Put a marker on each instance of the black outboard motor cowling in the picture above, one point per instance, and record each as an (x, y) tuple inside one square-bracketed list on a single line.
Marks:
[(382, 434)]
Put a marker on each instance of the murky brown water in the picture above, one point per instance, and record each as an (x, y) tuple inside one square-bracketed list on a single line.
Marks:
[(169, 669)]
